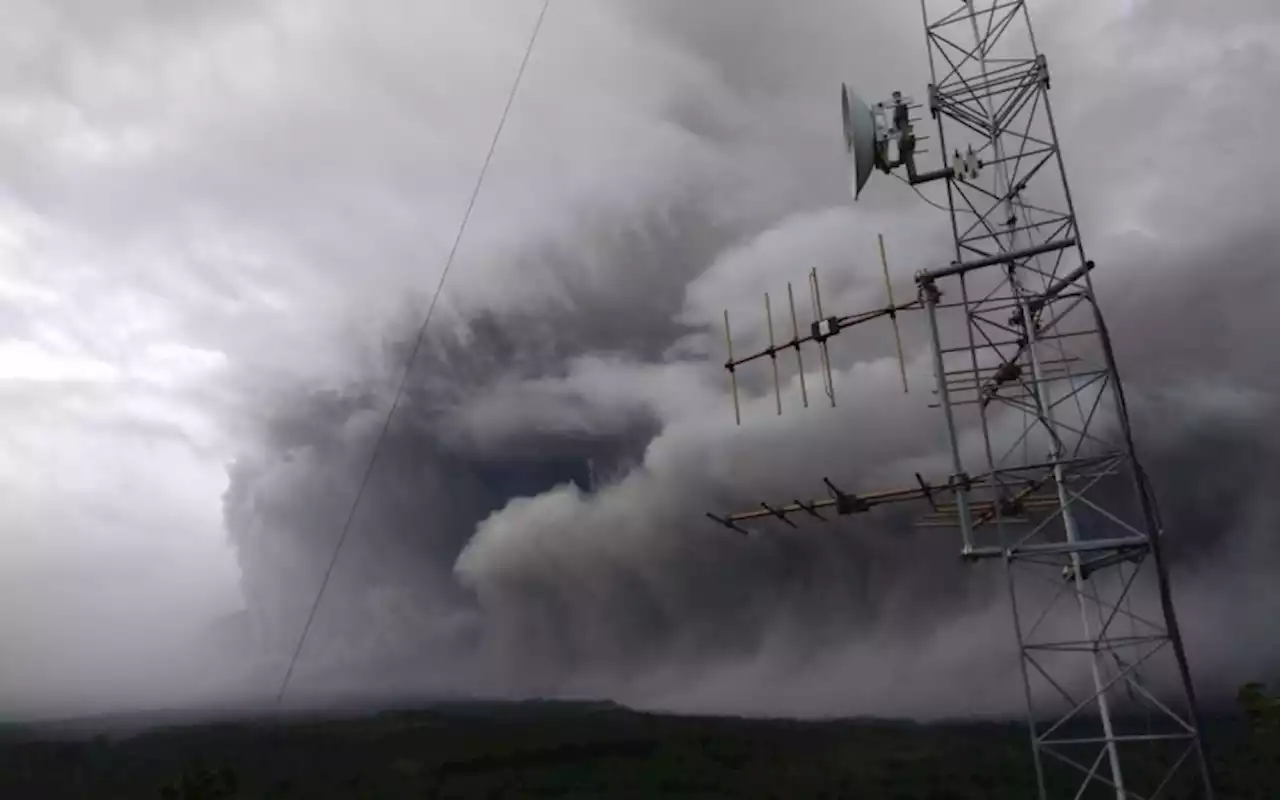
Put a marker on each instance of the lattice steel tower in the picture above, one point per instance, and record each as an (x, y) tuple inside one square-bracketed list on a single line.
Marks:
[(1044, 476)]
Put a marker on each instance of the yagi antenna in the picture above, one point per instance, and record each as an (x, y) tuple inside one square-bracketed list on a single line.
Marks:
[(774, 348), (821, 329)]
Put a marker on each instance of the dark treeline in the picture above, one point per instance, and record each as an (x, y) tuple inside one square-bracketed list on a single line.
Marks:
[(589, 751)]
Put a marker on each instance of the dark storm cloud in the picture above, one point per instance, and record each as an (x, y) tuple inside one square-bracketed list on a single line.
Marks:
[(627, 592), (296, 172)]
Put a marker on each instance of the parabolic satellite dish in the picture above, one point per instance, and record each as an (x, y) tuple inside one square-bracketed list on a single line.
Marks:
[(859, 138)]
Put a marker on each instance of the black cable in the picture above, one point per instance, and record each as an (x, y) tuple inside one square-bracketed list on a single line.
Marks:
[(916, 189), (413, 356)]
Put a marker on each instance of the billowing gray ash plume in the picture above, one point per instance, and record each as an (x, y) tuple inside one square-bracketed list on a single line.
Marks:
[(484, 560)]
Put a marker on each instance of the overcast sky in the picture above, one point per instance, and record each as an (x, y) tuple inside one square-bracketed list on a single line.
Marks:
[(219, 226)]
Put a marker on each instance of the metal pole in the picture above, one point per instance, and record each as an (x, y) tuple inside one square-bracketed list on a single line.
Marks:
[(733, 374), (1146, 502), (1041, 789), (1005, 187), (962, 492), (773, 352), (893, 315), (1069, 524), (1026, 679)]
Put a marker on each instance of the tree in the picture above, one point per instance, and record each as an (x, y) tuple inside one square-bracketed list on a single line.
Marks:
[(1263, 711), (202, 783)]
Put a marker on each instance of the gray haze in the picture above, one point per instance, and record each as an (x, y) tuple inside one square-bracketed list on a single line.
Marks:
[(220, 226)]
